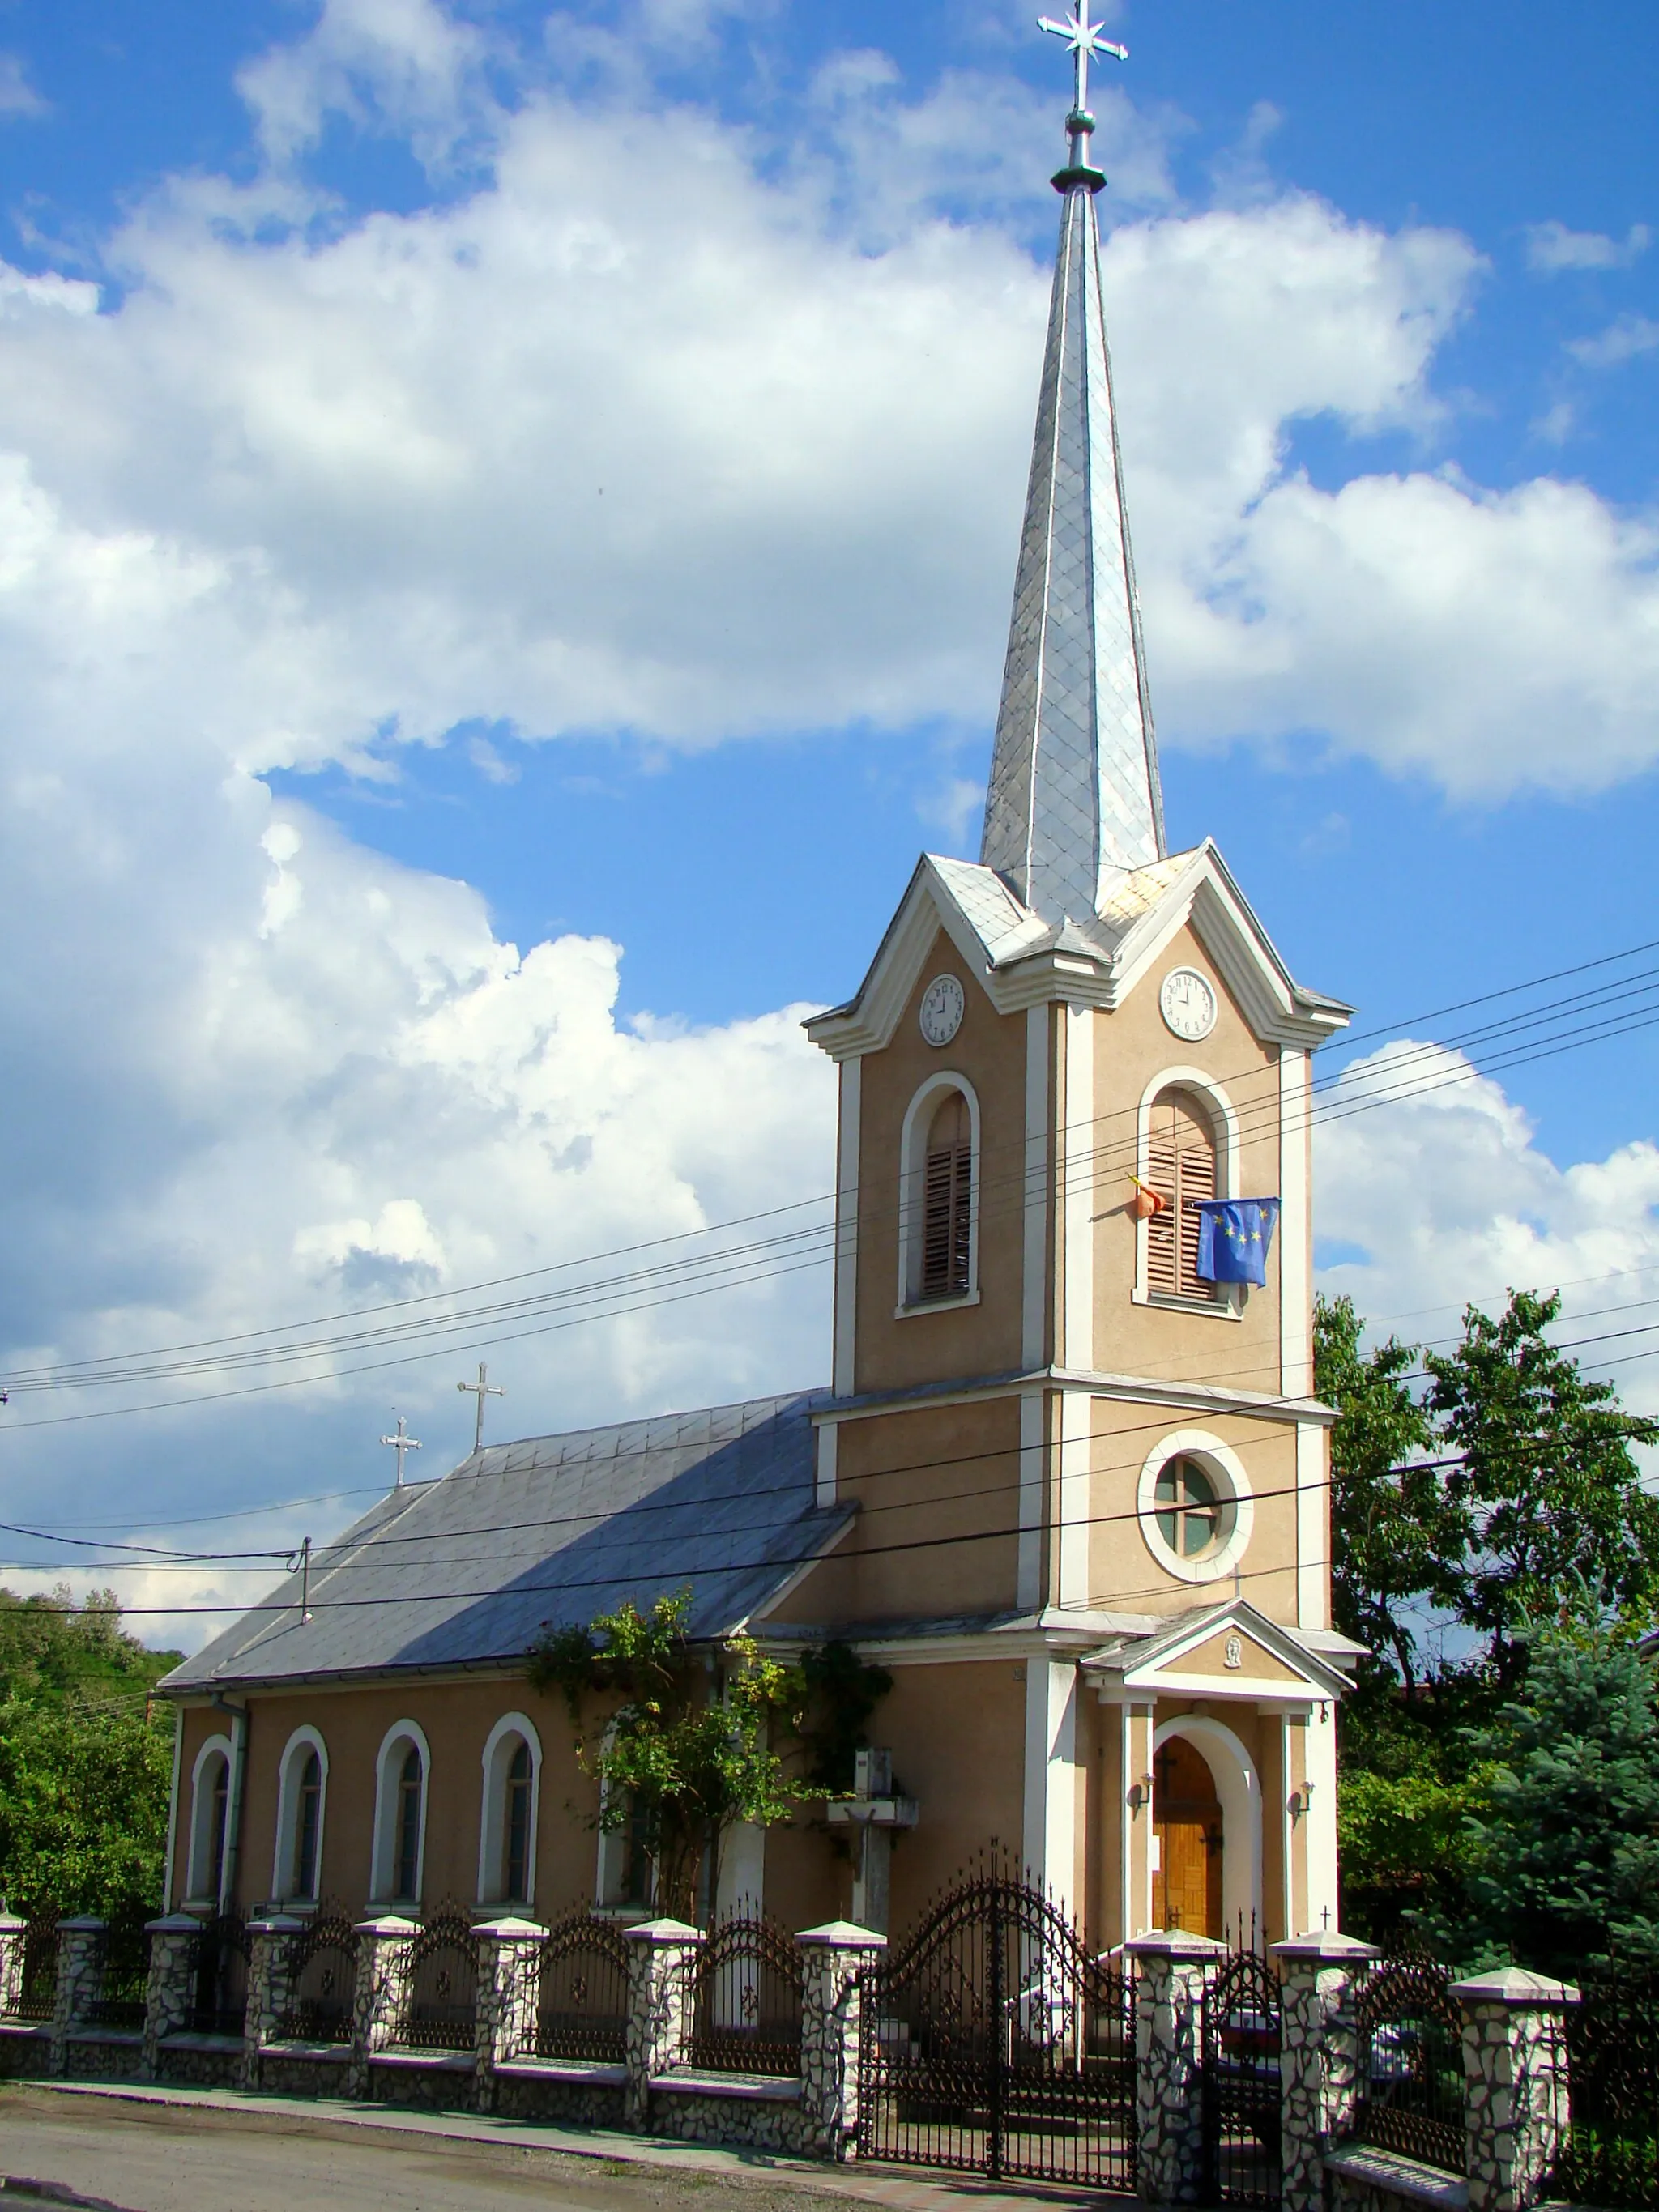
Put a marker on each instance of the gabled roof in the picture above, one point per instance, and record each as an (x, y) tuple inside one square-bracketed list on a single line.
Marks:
[(1229, 1650), (1097, 960), (464, 1571)]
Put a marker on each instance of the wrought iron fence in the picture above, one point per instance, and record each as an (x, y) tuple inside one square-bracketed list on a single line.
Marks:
[(323, 1986), (581, 1990), (38, 1992), (122, 1977), (1242, 2024), (746, 1989), (1409, 2090), (440, 2008), (1612, 2153), (219, 1977), (996, 2042)]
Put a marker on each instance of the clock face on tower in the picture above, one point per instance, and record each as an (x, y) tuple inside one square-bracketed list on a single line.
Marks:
[(941, 1010), (1187, 1004)]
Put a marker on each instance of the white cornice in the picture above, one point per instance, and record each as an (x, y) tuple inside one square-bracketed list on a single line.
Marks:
[(1135, 1389)]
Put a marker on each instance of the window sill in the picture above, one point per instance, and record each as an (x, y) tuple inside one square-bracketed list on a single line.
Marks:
[(1204, 1308), (917, 1306)]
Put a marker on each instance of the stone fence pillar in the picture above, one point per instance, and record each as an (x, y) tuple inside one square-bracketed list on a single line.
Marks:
[(1319, 2058), (12, 1934), (273, 1970), (832, 2027), (658, 2006), (384, 1945), (80, 1979), (1515, 2093), (509, 1987), (170, 1984), (1170, 1967)]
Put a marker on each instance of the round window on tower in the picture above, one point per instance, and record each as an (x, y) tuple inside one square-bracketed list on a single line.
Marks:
[(1194, 1506)]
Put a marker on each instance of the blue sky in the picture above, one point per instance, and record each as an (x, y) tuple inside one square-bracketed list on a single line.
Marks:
[(483, 477)]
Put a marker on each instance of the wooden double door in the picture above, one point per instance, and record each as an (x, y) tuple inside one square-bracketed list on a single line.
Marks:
[(1187, 1822)]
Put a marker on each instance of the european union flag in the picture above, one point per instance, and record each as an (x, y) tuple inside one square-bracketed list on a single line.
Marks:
[(1233, 1236)]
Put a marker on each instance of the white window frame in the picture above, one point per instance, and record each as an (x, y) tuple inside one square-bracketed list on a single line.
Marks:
[(199, 1860), (304, 1740), (912, 1195), (503, 1740), (1226, 1470), (1223, 1133), (395, 1743)]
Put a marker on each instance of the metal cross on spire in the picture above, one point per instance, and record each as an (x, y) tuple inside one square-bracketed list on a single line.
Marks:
[(483, 1389), (1084, 44), (402, 1443)]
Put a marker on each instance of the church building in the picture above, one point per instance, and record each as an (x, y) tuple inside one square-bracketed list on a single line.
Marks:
[(1066, 1478)]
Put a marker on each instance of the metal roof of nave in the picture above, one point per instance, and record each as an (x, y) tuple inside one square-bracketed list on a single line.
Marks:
[(466, 1571)]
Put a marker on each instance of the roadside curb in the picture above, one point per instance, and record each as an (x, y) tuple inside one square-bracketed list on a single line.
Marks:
[(899, 2189)]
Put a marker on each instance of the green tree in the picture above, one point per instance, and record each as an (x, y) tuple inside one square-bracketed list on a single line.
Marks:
[(1564, 1860), (84, 1766), (83, 1806), (1391, 1529), (681, 1739), (1547, 1496)]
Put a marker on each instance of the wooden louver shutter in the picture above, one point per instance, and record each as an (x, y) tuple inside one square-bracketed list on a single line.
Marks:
[(1180, 1167), (947, 1189)]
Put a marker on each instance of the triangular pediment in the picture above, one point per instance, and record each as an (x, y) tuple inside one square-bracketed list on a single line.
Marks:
[(1021, 961), (1228, 1650)]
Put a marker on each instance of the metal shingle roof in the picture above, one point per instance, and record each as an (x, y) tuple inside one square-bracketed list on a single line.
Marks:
[(465, 1570)]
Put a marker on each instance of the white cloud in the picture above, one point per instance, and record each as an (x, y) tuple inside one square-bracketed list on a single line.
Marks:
[(1623, 340), (1450, 1199), (17, 95), (1551, 247)]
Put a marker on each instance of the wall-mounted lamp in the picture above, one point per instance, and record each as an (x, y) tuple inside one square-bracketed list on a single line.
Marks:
[(1140, 1793), (1299, 1800)]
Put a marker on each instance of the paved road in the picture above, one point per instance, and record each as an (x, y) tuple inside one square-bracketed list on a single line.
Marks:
[(134, 2156)]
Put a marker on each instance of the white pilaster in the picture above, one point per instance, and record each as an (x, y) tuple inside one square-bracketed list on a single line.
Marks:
[(824, 1487), (741, 1879), (1295, 1255), (1080, 1180), (1051, 1776), (1312, 1527), (1029, 1569), (1319, 1823), (1071, 1579), (1035, 1306), (1286, 1832), (846, 1230)]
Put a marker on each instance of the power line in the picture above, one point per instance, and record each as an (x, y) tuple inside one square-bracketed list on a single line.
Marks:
[(78, 1373)]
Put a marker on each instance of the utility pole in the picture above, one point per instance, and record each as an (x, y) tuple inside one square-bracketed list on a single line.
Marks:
[(483, 1389), (403, 1443)]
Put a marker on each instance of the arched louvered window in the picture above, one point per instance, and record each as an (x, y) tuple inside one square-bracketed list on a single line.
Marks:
[(947, 1201), (1181, 1167)]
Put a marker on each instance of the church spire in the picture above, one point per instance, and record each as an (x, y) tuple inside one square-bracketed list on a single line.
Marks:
[(1074, 798)]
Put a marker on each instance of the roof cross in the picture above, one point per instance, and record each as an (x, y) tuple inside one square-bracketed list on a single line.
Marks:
[(483, 1389), (1084, 44), (403, 1443)]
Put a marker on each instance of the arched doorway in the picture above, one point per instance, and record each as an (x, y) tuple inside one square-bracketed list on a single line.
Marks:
[(1187, 1821)]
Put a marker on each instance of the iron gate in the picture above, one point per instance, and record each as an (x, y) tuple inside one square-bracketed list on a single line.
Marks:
[(994, 2042), (1243, 2023)]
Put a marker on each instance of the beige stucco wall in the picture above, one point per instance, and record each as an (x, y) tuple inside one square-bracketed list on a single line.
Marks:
[(1125, 1571), (1133, 1048), (919, 1476), (989, 1050), (456, 1718)]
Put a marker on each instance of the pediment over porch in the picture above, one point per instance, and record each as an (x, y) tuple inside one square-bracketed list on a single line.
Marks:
[(1232, 1650)]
